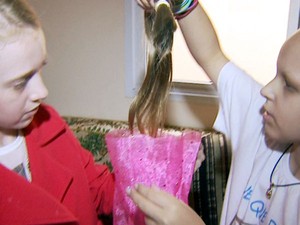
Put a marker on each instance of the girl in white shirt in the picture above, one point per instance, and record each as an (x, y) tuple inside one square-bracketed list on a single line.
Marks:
[(262, 125)]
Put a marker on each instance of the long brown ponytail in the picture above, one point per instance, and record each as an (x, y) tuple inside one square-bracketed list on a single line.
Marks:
[(149, 106)]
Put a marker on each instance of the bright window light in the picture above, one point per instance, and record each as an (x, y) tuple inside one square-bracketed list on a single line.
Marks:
[(251, 33)]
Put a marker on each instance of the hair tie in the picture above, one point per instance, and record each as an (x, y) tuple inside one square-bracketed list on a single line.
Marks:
[(161, 2)]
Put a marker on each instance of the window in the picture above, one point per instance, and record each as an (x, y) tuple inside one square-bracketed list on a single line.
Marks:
[(251, 33)]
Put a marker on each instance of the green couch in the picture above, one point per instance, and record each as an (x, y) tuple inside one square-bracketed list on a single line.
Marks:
[(209, 181)]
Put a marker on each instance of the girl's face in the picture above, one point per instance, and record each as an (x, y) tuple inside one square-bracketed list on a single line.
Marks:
[(282, 107), (21, 85)]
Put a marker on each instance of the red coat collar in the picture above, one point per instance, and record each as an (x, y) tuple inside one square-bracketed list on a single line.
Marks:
[(24, 203), (46, 125), (44, 168)]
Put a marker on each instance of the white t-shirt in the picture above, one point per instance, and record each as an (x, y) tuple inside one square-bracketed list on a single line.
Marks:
[(14, 157), (239, 118)]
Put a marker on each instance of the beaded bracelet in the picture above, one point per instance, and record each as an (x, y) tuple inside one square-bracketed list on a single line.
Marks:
[(180, 7), (184, 9)]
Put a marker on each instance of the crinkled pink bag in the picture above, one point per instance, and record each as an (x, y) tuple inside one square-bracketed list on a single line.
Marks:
[(167, 161)]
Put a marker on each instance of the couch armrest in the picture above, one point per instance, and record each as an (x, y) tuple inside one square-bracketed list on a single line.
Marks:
[(209, 181)]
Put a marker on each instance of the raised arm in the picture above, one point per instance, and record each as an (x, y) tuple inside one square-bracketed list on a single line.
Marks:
[(202, 42), (201, 39)]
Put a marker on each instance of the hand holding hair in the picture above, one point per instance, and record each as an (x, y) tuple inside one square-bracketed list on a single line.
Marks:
[(180, 8), (161, 208), (146, 4)]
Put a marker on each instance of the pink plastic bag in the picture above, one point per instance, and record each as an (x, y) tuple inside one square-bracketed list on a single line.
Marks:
[(167, 161)]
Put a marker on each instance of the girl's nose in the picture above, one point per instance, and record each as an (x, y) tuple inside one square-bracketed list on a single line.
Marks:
[(268, 90), (38, 89)]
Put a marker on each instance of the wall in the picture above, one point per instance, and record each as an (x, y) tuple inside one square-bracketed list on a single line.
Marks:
[(85, 74)]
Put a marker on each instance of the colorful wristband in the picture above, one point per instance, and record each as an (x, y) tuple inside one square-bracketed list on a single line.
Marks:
[(187, 11), (182, 7)]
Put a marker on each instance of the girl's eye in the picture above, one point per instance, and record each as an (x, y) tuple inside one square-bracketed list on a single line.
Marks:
[(21, 84), (288, 86)]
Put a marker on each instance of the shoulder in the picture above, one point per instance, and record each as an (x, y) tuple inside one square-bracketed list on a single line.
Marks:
[(234, 79)]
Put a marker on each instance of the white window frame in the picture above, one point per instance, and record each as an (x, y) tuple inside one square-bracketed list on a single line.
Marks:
[(135, 57)]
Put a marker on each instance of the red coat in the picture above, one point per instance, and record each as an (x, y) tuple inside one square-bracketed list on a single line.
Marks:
[(67, 187)]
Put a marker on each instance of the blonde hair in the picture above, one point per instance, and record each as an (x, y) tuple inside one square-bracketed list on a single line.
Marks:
[(149, 105), (16, 14)]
